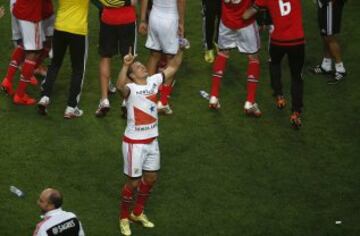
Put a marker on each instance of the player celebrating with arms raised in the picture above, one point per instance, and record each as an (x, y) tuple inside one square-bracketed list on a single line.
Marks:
[(140, 146), (234, 32), (287, 38)]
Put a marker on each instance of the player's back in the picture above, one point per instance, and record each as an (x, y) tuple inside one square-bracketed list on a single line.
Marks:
[(287, 19)]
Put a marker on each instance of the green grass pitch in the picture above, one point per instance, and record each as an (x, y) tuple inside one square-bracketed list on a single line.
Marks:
[(222, 173)]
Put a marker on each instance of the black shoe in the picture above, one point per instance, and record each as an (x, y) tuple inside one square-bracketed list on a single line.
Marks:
[(338, 77), (318, 70), (295, 120)]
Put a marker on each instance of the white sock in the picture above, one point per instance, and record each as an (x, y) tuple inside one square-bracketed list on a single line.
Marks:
[(326, 64), (339, 67)]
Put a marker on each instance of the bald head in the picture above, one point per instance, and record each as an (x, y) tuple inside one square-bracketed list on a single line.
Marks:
[(50, 199)]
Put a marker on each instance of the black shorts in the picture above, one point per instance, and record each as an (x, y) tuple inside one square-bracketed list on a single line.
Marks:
[(329, 17), (116, 39)]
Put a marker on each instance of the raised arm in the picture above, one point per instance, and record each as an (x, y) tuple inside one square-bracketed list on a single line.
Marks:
[(143, 18), (181, 11), (123, 78), (173, 66)]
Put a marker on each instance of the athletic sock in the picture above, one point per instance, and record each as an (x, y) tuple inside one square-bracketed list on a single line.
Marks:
[(143, 194), (165, 93), (218, 72), (339, 67), (44, 54), (26, 74), (253, 73), (16, 58), (326, 64), (126, 200)]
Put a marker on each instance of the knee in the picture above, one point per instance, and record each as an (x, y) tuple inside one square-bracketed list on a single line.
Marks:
[(150, 179), (133, 183)]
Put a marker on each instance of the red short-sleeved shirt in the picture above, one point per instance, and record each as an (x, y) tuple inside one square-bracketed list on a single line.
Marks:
[(28, 10), (232, 11), (119, 15), (287, 19), (47, 9)]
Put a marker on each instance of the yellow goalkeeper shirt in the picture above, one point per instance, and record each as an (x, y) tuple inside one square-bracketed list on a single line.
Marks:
[(72, 16)]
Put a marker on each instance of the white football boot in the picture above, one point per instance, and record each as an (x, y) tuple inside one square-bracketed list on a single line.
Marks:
[(214, 103), (72, 112), (43, 104), (252, 109), (103, 108), (165, 109)]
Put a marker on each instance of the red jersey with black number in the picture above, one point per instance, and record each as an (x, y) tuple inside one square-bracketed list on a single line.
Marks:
[(232, 11), (28, 10), (119, 15), (287, 19), (47, 9)]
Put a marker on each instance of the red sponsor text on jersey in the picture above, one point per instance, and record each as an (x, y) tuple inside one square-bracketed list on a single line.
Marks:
[(287, 19), (28, 10), (232, 11)]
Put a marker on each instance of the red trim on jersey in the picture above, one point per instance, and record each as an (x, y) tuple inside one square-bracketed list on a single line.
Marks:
[(118, 16), (138, 141)]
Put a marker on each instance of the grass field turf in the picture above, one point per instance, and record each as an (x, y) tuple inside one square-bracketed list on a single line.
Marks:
[(222, 173)]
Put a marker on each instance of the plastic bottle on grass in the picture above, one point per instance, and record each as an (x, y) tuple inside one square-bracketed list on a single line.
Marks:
[(16, 191), (204, 94)]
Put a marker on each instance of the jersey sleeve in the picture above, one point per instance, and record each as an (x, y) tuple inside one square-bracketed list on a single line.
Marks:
[(81, 230), (158, 78)]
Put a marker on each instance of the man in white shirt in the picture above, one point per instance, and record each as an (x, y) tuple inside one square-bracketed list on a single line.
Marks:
[(55, 220)]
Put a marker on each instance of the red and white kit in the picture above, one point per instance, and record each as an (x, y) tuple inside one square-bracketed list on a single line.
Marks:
[(163, 27), (27, 20), (140, 146), (234, 32)]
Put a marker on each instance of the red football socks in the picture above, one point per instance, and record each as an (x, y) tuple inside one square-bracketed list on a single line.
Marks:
[(126, 199), (218, 71), (253, 73), (142, 196), (17, 58), (165, 93), (26, 74)]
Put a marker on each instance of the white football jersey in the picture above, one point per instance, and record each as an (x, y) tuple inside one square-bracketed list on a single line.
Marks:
[(142, 115), (165, 6)]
